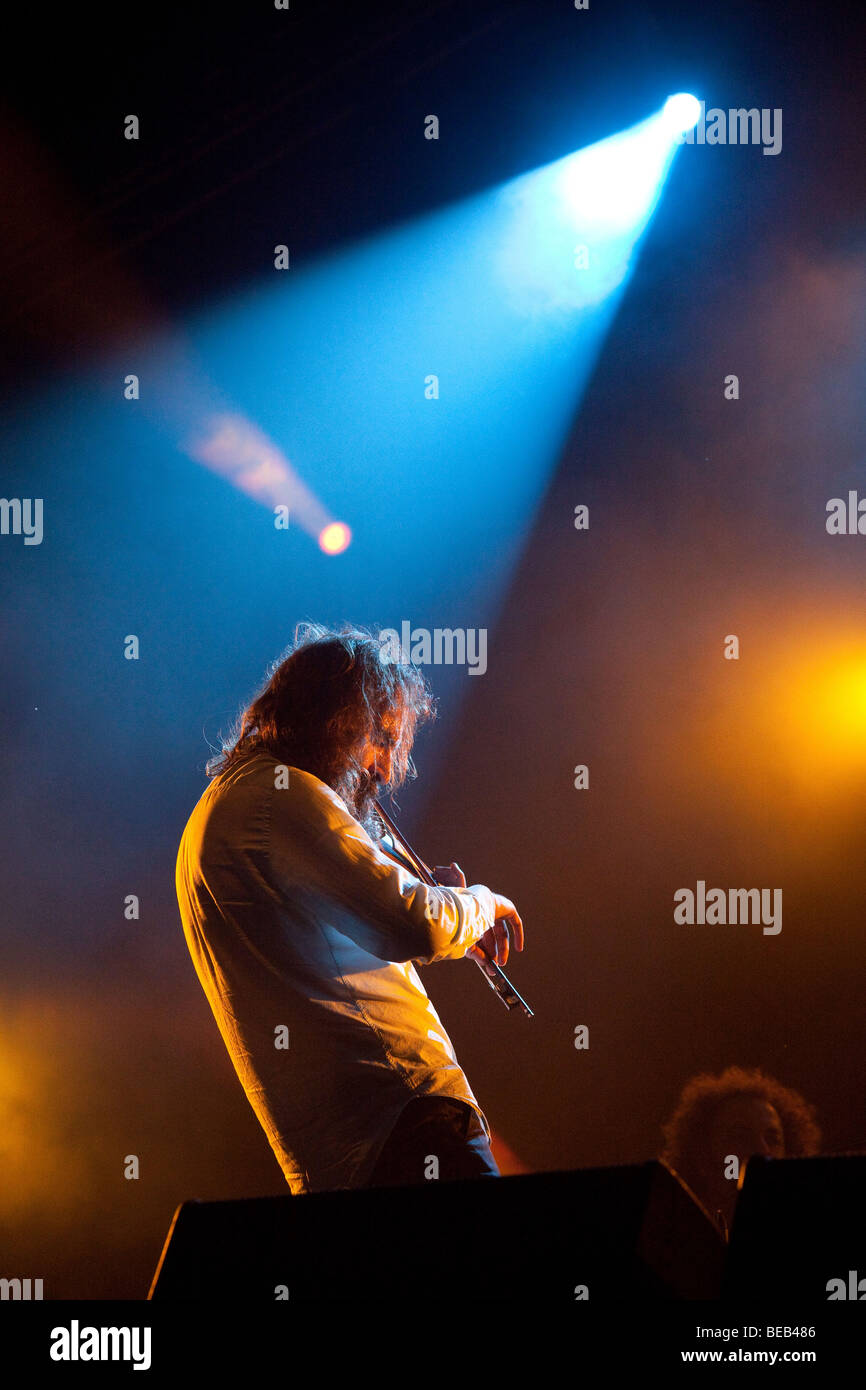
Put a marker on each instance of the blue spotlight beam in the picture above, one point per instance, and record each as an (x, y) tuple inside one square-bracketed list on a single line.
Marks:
[(424, 380)]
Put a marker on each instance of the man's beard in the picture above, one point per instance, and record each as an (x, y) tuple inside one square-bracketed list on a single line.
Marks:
[(362, 804)]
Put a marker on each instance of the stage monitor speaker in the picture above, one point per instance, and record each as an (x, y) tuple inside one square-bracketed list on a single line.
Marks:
[(601, 1234), (799, 1225)]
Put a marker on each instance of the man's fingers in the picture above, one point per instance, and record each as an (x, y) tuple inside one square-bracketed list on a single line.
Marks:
[(507, 914), (517, 930), (507, 927), (502, 941), (449, 875)]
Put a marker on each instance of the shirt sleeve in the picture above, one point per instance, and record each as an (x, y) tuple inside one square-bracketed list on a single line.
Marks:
[(318, 847)]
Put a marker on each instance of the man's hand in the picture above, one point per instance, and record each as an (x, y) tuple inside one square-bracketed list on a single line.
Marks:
[(495, 941), (450, 875)]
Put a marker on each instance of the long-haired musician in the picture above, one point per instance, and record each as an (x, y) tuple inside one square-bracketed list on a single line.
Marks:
[(304, 931)]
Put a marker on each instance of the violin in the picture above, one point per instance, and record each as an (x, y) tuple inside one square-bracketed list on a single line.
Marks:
[(494, 974)]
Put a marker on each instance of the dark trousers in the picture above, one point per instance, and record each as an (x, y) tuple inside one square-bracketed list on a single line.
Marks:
[(434, 1127)]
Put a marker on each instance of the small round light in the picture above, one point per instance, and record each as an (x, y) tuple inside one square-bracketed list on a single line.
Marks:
[(681, 112), (335, 537)]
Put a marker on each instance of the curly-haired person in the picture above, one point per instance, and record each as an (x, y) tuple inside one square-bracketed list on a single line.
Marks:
[(734, 1115)]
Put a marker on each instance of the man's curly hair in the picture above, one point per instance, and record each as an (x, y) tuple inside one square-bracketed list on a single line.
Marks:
[(332, 688), (685, 1133)]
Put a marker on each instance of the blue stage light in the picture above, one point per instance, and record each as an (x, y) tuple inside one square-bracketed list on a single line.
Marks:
[(681, 112), (570, 229)]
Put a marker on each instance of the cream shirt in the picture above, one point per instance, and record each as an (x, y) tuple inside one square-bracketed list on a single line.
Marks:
[(303, 933)]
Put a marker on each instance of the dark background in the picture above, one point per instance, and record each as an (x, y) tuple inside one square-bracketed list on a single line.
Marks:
[(707, 518)]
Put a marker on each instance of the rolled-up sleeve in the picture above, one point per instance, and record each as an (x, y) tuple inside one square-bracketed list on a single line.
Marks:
[(318, 848)]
